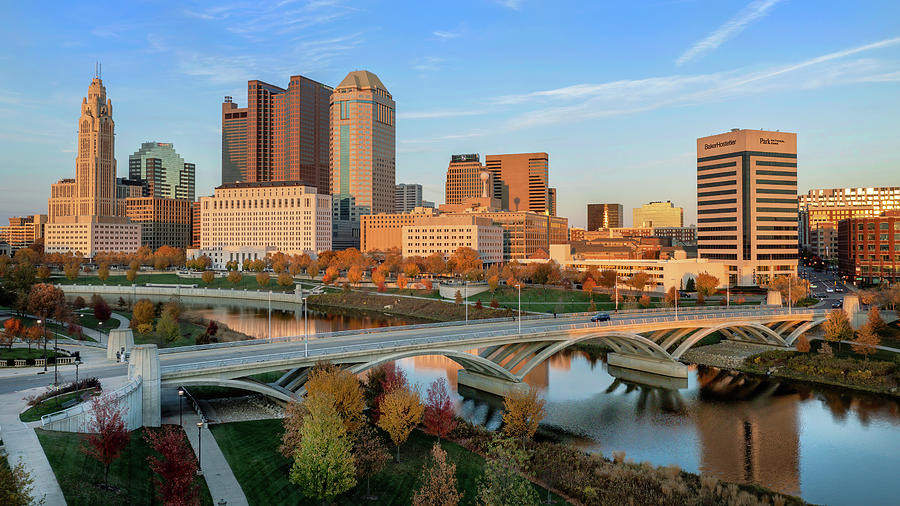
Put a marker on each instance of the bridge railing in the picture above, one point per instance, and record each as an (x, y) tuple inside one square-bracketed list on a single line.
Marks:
[(471, 336), (419, 326)]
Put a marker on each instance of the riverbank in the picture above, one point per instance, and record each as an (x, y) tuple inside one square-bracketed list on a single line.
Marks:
[(422, 309), (875, 376), (572, 475)]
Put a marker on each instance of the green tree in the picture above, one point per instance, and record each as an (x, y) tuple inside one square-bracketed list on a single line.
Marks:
[(167, 328), (323, 463), (502, 484), (690, 286)]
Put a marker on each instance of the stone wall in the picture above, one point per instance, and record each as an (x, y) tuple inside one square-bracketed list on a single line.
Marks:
[(76, 418)]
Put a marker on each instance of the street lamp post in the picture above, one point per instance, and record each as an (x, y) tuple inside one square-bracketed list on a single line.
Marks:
[(180, 406), (466, 302), (77, 363), (305, 331), (270, 314), (44, 335), (56, 359), (199, 448), (519, 286), (790, 294), (617, 294)]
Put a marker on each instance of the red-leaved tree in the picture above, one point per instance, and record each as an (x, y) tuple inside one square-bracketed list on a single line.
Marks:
[(390, 378), (106, 435), (439, 419), (175, 471)]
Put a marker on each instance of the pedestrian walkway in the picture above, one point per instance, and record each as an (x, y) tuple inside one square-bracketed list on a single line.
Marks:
[(219, 477), (21, 442)]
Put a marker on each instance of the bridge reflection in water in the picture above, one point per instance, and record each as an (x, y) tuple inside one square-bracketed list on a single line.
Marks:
[(736, 427)]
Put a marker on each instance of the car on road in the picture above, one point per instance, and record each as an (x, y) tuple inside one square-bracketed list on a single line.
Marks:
[(839, 290), (829, 290), (600, 317), (837, 305)]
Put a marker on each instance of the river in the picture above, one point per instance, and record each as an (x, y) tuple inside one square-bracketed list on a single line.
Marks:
[(826, 446)]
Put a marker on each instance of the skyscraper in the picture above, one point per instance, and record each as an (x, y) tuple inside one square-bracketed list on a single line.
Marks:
[(95, 167), (604, 216), (463, 178), (747, 203), (282, 134), (162, 172), (520, 180), (362, 153), (234, 142), (85, 214)]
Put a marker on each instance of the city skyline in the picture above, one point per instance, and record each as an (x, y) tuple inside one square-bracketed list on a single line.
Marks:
[(687, 79)]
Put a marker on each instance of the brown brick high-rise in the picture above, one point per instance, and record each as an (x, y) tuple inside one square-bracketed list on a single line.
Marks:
[(281, 135)]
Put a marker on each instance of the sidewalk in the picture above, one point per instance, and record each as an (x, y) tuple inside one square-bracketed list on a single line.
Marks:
[(219, 477), (22, 442)]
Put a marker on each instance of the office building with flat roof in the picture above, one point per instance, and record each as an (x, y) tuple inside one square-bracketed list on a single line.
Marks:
[(605, 216), (657, 214), (823, 208), (445, 234), (408, 197), (363, 147), (520, 181), (162, 172), (285, 215), (747, 207), (869, 248), (164, 222), (23, 231)]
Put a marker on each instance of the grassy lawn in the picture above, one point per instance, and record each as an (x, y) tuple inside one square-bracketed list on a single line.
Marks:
[(890, 335), (430, 294), (247, 283), (78, 474), (52, 405), (214, 392), (25, 353), (546, 300), (252, 451), (86, 319), (189, 332)]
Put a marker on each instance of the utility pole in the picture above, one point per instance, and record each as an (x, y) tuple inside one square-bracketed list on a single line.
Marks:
[(519, 286), (466, 302)]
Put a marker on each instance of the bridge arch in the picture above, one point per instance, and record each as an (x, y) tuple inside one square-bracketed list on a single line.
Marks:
[(759, 331), (252, 386), (618, 340), (793, 336), (468, 361)]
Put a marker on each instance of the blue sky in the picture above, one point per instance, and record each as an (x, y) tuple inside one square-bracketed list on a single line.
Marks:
[(616, 92)]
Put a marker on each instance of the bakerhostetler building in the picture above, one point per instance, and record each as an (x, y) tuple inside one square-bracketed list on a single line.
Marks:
[(747, 204)]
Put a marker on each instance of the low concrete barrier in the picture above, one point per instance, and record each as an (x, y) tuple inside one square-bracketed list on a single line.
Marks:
[(76, 418), (177, 290)]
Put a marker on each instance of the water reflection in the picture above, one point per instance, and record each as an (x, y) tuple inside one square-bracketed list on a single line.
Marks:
[(796, 439), (254, 321)]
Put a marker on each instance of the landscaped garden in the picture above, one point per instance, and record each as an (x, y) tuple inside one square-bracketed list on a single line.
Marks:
[(81, 477)]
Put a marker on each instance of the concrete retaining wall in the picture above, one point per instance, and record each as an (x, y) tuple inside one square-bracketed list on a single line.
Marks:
[(448, 291), (135, 291), (76, 418)]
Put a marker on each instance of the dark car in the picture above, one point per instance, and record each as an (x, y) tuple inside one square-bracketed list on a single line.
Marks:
[(837, 304), (600, 317)]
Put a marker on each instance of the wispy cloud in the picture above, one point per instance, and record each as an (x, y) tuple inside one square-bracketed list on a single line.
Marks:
[(754, 11), (438, 114), (586, 101), (510, 4), (427, 63), (446, 34)]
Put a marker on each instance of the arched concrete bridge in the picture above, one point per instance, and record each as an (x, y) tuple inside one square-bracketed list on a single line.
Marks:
[(497, 360)]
